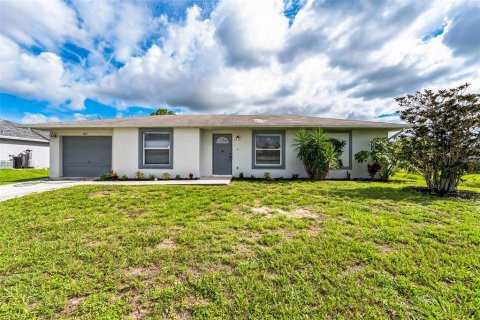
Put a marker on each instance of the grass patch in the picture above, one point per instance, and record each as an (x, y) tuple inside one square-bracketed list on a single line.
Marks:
[(296, 249), (8, 176)]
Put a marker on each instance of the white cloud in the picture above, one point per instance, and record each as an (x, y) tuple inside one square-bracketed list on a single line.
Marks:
[(335, 60), (37, 118), (44, 23), (40, 76)]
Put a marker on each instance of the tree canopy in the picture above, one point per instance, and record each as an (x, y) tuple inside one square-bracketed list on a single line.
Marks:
[(162, 112), (444, 135)]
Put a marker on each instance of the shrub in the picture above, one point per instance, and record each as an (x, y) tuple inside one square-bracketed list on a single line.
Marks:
[(383, 152), (295, 176), (190, 176), (139, 175), (267, 176), (177, 177), (151, 177), (124, 177), (165, 176), (252, 177), (240, 175), (317, 152), (109, 176), (444, 134)]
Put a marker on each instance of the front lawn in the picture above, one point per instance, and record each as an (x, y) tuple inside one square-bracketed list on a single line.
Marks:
[(19, 175), (249, 250)]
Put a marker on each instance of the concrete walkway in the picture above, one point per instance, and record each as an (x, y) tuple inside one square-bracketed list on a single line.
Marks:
[(11, 191)]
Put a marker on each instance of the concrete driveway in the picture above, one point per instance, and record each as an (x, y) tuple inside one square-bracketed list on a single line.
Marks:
[(11, 191)]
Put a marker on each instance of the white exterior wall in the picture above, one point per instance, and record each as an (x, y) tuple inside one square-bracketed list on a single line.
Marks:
[(192, 152), (186, 153), (40, 151), (242, 153), (361, 141)]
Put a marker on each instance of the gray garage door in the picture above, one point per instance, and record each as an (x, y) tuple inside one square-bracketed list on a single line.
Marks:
[(86, 156)]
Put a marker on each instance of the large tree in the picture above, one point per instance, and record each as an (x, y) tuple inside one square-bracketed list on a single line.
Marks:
[(444, 134), (162, 112)]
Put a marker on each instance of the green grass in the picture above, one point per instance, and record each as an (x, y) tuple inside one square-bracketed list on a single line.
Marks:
[(467, 182), (8, 176), (303, 249)]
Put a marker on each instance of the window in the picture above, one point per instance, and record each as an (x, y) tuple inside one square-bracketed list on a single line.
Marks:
[(155, 148), (268, 150)]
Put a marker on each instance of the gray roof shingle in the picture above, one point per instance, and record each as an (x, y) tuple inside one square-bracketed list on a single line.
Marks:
[(220, 121), (12, 130)]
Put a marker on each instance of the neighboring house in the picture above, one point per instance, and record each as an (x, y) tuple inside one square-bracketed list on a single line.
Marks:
[(15, 139), (200, 144)]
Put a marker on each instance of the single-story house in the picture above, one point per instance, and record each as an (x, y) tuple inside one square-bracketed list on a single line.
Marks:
[(16, 139), (204, 145)]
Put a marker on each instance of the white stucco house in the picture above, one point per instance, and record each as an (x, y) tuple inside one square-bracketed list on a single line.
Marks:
[(204, 145), (15, 139)]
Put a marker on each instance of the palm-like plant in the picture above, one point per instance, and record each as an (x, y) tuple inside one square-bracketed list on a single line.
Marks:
[(318, 154)]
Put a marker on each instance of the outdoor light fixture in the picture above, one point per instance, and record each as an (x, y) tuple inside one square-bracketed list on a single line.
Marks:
[(237, 138)]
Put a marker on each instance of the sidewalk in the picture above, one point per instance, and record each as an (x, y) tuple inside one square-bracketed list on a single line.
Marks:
[(11, 191)]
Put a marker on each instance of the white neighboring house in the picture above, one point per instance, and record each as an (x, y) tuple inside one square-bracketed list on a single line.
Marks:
[(16, 138), (204, 145)]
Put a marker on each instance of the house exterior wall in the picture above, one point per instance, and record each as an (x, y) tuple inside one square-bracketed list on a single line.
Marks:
[(242, 153), (186, 153), (40, 151), (192, 152)]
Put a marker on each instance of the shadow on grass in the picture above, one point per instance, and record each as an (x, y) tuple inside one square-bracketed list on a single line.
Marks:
[(362, 190)]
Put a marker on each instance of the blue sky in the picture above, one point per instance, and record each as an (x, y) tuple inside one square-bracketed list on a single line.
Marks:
[(79, 59)]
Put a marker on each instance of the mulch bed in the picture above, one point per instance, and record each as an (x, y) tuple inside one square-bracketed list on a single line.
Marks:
[(464, 194)]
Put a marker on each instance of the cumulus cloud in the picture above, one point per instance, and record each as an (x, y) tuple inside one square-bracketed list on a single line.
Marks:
[(335, 58), (40, 23), (37, 118), (37, 76)]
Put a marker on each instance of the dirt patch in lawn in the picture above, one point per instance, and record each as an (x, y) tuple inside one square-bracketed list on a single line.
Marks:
[(72, 305), (353, 269), (140, 311), (141, 271), (385, 248), (167, 244), (297, 213), (103, 193)]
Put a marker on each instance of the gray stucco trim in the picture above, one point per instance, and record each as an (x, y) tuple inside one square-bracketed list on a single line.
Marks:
[(350, 148), (141, 131), (282, 152)]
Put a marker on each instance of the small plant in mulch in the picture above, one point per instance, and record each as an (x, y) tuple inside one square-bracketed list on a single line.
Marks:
[(124, 177), (177, 177), (109, 176), (139, 175), (295, 176), (240, 175), (151, 177), (463, 194), (267, 176), (190, 176), (165, 176)]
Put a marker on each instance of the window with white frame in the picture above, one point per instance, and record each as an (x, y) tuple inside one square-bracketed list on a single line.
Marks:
[(157, 148), (268, 150)]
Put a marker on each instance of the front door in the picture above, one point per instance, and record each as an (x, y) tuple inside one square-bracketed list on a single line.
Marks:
[(222, 154)]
